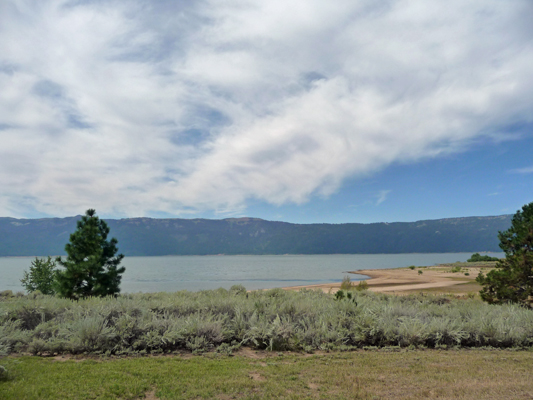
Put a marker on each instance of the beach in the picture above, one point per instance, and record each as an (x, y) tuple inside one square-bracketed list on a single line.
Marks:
[(438, 278)]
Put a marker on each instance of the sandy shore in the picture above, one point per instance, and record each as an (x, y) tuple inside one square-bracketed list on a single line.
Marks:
[(407, 280)]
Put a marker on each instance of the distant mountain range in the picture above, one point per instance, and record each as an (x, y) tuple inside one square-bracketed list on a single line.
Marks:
[(155, 237)]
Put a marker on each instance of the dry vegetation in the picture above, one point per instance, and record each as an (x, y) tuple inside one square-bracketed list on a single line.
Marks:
[(276, 319)]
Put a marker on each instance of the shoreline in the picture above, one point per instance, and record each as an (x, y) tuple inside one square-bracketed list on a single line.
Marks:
[(406, 280)]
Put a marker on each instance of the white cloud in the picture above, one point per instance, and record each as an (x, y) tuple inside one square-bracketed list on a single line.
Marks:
[(527, 170), (382, 196), (130, 107)]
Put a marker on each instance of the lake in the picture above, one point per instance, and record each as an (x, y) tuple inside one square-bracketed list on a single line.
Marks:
[(173, 273)]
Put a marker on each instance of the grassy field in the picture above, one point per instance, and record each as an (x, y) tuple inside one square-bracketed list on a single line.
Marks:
[(365, 374)]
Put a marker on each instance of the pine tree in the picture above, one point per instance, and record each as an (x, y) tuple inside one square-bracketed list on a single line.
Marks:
[(91, 267), (512, 279)]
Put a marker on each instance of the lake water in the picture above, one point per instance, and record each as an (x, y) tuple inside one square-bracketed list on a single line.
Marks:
[(173, 273)]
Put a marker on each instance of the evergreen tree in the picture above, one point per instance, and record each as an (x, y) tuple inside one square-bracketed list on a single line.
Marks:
[(91, 267), (512, 279)]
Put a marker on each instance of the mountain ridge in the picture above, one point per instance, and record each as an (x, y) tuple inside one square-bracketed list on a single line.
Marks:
[(143, 236)]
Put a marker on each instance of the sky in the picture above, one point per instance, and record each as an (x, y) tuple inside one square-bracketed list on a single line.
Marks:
[(299, 111)]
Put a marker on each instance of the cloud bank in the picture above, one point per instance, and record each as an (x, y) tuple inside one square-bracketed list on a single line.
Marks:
[(132, 107)]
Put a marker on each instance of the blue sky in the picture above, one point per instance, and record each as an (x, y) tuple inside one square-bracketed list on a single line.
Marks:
[(301, 111)]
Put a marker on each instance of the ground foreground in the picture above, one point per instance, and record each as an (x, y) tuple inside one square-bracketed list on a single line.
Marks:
[(250, 374)]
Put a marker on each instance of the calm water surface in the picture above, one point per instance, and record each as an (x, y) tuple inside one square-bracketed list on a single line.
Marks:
[(173, 273)]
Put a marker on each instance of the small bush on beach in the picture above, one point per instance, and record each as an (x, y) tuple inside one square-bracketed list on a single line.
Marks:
[(346, 283), (412, 267)]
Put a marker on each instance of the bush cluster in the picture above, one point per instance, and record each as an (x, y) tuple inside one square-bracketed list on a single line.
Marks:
[(456, 268), (223, 320), (476, 257)]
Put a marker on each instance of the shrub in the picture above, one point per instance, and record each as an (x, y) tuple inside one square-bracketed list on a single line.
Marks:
[(346, 283), (238, 290), (3, 370), (412, 267), (363, 285), (476, 257), (41, 277), (274, 320)]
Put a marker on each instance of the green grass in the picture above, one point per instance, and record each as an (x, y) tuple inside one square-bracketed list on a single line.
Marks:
[(126, 378), (392, 374)]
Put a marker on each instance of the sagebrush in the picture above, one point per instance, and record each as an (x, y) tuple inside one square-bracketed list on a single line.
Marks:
[(275, 320)]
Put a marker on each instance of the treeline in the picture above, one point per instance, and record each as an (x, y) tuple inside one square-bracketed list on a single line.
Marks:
[(152, 237)]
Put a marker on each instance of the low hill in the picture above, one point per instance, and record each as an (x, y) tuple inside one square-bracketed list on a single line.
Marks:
[(153, 237)]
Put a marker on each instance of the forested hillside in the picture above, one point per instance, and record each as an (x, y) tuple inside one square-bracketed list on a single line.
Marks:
[(150, 237)]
